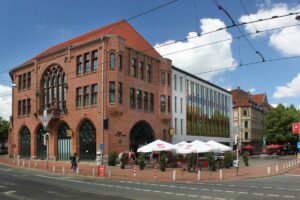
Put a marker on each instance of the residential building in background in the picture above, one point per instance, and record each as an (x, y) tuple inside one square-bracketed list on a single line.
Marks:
[(108, 86), (201, 110), (248, 116)]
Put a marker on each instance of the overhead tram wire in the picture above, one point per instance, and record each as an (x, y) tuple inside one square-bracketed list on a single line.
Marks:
[(199, 46), (246, 11), (234, 25), (206, 33)]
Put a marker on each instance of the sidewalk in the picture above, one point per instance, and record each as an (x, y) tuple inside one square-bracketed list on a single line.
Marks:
[(257, 168)]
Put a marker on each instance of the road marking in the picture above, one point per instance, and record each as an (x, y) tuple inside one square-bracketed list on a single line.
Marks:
[(157, 191), (288, 196), (230, 191), (243, 192), (293, 189), (272, 195), (204, 189), (279, 188), (153, 184), (163, 185), (168, 192), (172, 186), (231, 185), (206, 197), (180, 194), (182, 187), (137, 189), (147, 190), (6, 170), (266, 187), (218, 190), (1, 186), (259, 194), (192, 195), (193, 188), (220, 198)]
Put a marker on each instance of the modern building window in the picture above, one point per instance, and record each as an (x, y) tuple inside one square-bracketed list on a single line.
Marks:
[(141, 73), (20, 83), (246, 136), (24, 82), (19, 108), (86, 63), (120, 91), (169, 104), (112, 91), (86, 95), (28, 80), (132, 98), (112, 60), (133, 68), (246, 124), (146, 101), (163, 103), (28, 106), (162, 78), (245, 112), (24, 107), (181, 126), (175, 104), (78, 97), (180, 83), (181, 105), (151, 102), (94, 94), (139, 99), (175, 82), (175, 125), (79, 64), (120, 62), (169, 79), (149, 72), (94, 60)]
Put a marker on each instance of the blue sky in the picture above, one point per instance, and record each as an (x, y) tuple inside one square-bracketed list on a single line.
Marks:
[(29, 27)]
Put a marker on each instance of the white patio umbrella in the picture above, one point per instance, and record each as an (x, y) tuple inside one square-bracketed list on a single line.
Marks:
[(180, 144), (218, 147), (157, 145), (196, 146)]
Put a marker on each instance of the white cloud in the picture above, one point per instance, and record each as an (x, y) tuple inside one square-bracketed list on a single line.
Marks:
[(284, 40), (292, 89), (274, 105), (252, 90), (203, 59), (5, 101)]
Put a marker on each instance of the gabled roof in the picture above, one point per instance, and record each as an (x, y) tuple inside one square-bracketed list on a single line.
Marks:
[(121, 28), (259, 98)]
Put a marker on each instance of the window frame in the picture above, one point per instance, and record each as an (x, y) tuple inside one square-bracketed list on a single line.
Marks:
[(163, 103), (112, 92)]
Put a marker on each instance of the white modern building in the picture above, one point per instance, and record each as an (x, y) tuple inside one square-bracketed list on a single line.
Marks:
[(200, 109)]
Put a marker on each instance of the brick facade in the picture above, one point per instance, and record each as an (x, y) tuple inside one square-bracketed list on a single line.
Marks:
[(121, 117)]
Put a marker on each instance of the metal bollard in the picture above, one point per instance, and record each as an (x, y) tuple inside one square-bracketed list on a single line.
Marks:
[(23, 163), (268, 169), (199, 175), (93, 171), (63, 170), (18, 163), (35, 165), (109, 173), (174, 175), (77, 170), (277, 168), (29, 164), (134, 171), (13, 161), (155, 172), (221, 174), (53, 169), (283, 166)]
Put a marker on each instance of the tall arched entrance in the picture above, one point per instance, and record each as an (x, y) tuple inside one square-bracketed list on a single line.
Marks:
[(87, 142), (25, 143), (41, 149), (140, 134), (63, 143)]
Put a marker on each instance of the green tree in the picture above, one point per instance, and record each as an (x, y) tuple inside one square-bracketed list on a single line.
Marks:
[(278, 125), (4, 125)]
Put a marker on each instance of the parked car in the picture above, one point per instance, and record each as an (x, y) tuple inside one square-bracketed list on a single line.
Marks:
[(3, 150)]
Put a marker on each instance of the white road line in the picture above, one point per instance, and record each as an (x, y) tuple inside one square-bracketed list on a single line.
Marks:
[(137, 189), (204, 189), (180, 194), (182, 187), (230, 191), (157, 191), (172, 186), (293, 189), (168, 192), (147, 190), (163, 185), (243, 192), (218, 190), (193, 188), (1, 186), (285, 196), (192, 195), (279, 188), (259, 194), (266, 187), (232, 185), (153, 184), (205, 197), (272, 195), (220, 198)]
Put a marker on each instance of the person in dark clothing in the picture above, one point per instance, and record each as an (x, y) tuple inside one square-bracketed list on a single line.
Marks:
[(73, 162)]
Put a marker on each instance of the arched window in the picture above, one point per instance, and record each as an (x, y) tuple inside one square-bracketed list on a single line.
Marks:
[(53, 88), (112, 60), (87, 142), (25, 143)]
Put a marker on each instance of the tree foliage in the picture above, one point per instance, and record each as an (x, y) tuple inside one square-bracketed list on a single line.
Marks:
[(278, 125), (4, 125)]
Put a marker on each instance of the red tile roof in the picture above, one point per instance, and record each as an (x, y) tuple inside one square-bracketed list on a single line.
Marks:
[(121, 28)]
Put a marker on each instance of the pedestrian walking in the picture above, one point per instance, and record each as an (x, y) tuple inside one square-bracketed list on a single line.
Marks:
[(73, 162)]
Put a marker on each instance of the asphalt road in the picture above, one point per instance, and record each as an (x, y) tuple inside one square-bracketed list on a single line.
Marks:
[(25, 184)]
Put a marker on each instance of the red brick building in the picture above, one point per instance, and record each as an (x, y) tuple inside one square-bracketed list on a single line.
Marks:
[(65, 83)]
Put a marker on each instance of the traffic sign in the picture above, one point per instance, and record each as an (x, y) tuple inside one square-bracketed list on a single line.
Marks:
[(298, 145), (101, 147), (296, 128)]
